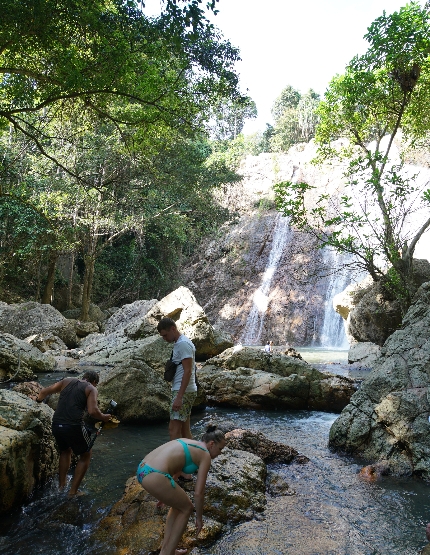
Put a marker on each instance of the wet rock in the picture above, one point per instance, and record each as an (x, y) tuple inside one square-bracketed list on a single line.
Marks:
[(271, 381), (28, 456), (257, 443), (387, 419), (373, 472), (20, 361), (277, 485)]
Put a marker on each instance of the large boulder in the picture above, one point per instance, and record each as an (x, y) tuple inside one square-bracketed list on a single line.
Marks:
[(235, 492), (137, 322), (28, 456), (181, 306), (371, 316), (387, 419), (246, 377), (137, 383), (20, 361), (31, 318)]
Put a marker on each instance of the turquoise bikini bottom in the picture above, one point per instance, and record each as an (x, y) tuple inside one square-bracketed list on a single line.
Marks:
[(144, 469)]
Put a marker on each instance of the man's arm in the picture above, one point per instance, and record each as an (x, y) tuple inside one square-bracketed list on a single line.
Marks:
[(187, 365), (54, 388), (92, 407)]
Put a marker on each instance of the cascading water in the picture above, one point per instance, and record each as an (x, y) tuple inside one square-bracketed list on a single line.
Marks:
[(332, 334), (254, 323)]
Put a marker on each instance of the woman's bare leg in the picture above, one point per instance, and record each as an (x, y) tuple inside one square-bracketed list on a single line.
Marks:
[(181, 508)]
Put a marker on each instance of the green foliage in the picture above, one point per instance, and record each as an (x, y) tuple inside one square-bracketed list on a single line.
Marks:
[(295, 118), (380, 93)]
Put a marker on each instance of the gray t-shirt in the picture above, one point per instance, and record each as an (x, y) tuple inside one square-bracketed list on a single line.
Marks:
[(184, 348)]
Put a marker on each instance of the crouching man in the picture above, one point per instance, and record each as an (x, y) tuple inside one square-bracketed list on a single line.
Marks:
[(68, 427)]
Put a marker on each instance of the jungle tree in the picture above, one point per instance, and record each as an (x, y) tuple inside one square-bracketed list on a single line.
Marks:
[(383, 92)]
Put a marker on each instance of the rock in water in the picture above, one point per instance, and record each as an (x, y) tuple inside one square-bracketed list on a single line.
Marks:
[(387, 419)]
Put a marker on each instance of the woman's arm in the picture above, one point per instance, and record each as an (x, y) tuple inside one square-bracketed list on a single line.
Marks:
[(199, 492)]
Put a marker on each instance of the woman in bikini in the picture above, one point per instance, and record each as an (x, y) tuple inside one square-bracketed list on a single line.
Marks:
[(155, 473)]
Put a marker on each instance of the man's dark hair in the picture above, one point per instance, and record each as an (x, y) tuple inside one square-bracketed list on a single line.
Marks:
[(91, 376), (165, 324)]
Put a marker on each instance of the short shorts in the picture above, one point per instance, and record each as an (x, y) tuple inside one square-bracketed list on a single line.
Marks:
[(75, 436), (187, 404)]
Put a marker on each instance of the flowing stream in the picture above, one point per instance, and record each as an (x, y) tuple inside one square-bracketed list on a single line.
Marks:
[(254, 323), (332, 513)]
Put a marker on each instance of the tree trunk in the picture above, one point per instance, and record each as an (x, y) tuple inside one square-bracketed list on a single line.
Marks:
[(70, 287), (49, 287), (88, 286)]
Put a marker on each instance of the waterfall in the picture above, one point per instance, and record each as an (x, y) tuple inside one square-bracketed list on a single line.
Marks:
[(332, 334), (254, 323)]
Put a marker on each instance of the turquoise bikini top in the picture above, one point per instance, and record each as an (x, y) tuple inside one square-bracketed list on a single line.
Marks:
[(190, 466)]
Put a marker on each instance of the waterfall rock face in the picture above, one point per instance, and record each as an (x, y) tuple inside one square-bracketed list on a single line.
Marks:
[(28, 456), (387, 419), (258, 279)]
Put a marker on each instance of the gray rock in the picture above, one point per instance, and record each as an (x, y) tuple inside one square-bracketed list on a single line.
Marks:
[(31, 318), (363, 354), (95, 314), (46, 342), (247, 377), (28, 456), (20, 360), (387, 419)]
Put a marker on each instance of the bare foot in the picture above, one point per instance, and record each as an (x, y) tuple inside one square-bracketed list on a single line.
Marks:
[(180, 551), (79, 493)]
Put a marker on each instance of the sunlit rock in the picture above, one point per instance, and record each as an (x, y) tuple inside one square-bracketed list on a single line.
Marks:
[(251, 378)]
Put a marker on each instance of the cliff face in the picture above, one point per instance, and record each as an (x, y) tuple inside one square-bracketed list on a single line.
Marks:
[(260, 258)]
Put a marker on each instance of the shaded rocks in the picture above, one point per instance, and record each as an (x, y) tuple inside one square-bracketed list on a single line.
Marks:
[(46, 342), (247, 377), (371, 316), (140, 391), (20, 361), (28, 456), (31, 318), (387, 419)]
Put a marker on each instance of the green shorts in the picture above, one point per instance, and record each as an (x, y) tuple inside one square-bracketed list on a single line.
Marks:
[(187, 404)]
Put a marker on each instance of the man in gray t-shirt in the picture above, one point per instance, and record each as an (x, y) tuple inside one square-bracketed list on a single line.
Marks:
[(184, 388)]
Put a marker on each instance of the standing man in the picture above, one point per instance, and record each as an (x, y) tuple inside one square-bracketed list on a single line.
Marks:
[(184, 388), (68, 428)]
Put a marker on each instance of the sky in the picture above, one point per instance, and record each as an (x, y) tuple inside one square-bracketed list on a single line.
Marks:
[(303, 43)]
